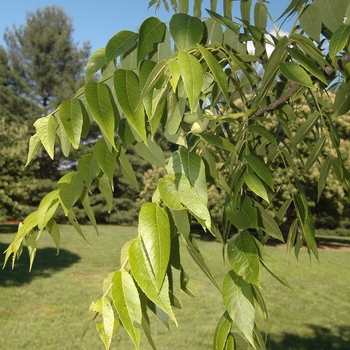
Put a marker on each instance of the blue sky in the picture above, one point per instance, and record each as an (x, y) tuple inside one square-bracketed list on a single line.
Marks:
[(99, 20)]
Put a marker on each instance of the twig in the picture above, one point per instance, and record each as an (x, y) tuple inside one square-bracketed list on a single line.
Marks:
[(294, 87)]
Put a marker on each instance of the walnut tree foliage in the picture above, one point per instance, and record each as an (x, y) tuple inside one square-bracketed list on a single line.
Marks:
[(233, 117)]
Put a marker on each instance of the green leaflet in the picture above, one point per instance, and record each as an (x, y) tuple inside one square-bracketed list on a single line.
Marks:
[(151, 152), (308, 63), (268, 224), (144, 277), (314, 154), (99, 100), (245, 10), (269, 263), (260, 169), (222, 332), (342, 99), (260, 16), (175, 112), (88, 168), (104, 186), (152, 32), (46, 130), (54, 232), (243, 214), (120, 43), (70, 189), (107, 328), (85, 201), (266, 134), (254, 184), (154, 230), (218, 141), (243, 257), (126, 169), (31, 245), (323, 176), (105, 159), (271, 70), (332, 13), (182, 223), (216, 70), (177, 193), (127, 89), (34, 146), (63, 137), (153, 77), (192, 76), (72, 119), (310, 22), (95, 63), (126, 301), (225, 20), (215, 32), (305, 128), (186, 31), (192, 166), (295, 73), (47, 208), (239, 302)]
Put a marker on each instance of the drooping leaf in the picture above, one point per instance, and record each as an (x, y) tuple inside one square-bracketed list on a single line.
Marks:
[(243, 257), (34, 146), (72, 119), (151, 152), (308, 63), (177, 193), (311, 22), (268, 224), (144, 277), (127, 89), (152, 32), (260, 16), (120, 43), (243, 214), (218, 141), (214, 32), (105, 158), (314, 154), (323, 176), (104, 186), (186, 31), (154, 229), (222, 332), (216, 70), (332, 13), (269, 263), (54, 232), (98, 99), (108, 321), (192, 76), (225, 20), (46, 130), (295, 73), (342, 99), (47, 208), (239, 302), (305, 128), (192, 166), (88, 168), (126, 169), (254, 184), (85, 201), (153, 78), (70, 189), (126, 300), (95, 63)]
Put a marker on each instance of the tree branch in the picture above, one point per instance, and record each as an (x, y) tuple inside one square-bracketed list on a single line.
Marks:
[(294, 87)]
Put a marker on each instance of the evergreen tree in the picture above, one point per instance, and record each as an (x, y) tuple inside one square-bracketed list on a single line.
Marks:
[(46, 57)]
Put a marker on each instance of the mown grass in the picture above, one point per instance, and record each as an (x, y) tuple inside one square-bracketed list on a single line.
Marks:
[(46, 308)]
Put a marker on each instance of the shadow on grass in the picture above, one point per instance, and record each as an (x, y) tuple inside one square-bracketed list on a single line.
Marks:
[(8, 228), (322, 339), (45, 264)]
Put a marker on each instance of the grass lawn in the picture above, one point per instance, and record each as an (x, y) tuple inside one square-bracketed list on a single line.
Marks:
[(45, 309)]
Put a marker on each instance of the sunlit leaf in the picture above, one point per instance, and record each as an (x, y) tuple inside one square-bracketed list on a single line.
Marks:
[(95, 63), (295, 73), (243, 257), (46, 130), (120, 43)]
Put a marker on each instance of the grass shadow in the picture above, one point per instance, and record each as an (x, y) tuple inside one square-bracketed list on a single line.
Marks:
[(322, 338), (8, 228), (45, 264)]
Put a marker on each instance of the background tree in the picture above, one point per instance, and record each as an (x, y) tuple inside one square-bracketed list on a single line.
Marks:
[(40, 67), (233, 118)]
